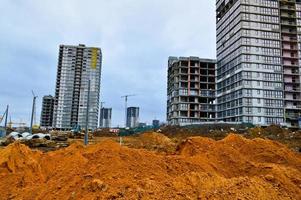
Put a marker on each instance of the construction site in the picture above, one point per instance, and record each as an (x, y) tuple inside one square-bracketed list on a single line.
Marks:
[(208, 161), (168, 163), (230, 128)]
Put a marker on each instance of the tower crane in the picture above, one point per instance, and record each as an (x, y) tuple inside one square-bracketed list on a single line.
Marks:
[(11, 123)]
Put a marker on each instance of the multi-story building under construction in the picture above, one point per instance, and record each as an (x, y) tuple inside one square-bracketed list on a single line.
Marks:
[(132, 117), (47, 112), (190, 91), (258, 61), (105, 118), (76, 66)]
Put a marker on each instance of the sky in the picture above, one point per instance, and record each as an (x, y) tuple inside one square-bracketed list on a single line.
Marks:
[(136, 38)]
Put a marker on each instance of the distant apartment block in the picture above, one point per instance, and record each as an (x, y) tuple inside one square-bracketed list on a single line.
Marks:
[(142, 125), (190, 90), (258, 61), (76, 66), (132, 120), (47, 112), (105, 117), (156, 123)]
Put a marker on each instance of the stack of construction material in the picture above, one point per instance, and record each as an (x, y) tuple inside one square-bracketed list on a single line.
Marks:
[(32, 140)]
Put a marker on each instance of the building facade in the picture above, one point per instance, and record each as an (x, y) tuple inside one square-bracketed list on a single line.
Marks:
[(46, 118), (190, 91), (105, 117), (258, 61), (156, 123), (132, 117), (76, 66)]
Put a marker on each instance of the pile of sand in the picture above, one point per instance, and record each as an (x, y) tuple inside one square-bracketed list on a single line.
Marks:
[(154, 141), (233, 168)]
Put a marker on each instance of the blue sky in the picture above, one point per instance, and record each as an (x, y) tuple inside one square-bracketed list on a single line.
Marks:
[(136, 37)]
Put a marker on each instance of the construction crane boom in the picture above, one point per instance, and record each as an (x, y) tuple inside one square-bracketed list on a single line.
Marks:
[(4, 116)]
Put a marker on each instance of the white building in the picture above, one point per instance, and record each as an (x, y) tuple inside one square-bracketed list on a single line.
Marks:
[(76, 66), (258, 62)]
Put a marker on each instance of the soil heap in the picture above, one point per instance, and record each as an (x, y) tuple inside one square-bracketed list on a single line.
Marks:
[(232, 168), (152, 141)]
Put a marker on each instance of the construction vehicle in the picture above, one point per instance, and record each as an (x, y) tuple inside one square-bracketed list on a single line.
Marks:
[(76, 130)]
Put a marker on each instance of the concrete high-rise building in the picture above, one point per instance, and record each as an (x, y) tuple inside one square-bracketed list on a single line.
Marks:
[(258, 61), (47, 112), (132, 118), (142, 124), (105, 117), (190, 90), (156, 123), (76, 66)]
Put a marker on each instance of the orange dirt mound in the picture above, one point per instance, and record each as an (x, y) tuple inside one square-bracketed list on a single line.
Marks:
[(155, 141), (233, 168), (155, 138), (19, 166)]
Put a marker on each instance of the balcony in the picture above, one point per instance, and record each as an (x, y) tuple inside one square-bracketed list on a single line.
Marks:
[(292, 90), (290, 57), (288, 23), (287, 31), (293, 107), (292, 99), (288, 15), (292, 116), (290, 72), (287, 7), (289, 48), (289, 39), (290, 64), (287, 81)]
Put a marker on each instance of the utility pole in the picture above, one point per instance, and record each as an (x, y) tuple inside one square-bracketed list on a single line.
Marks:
[(87, 114), (125, 105), (5, 121), (6, 115), (32, 111), (101, 114)]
